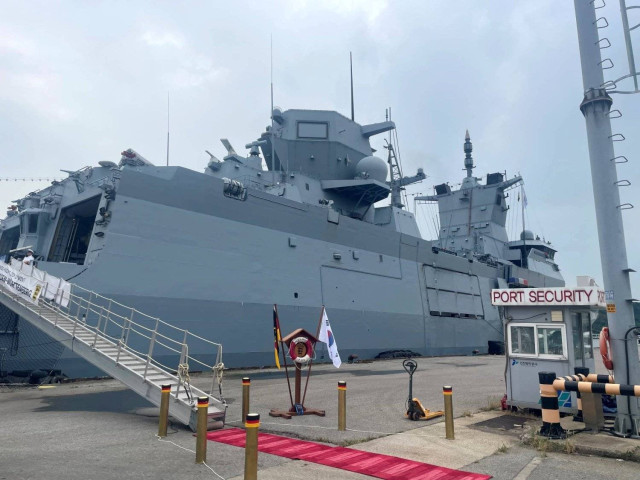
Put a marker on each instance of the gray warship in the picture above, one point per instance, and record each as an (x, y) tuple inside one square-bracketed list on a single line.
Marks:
[(213, 251)]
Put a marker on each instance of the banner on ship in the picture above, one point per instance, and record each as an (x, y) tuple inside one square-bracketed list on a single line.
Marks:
[(20, 283), (505, 297)]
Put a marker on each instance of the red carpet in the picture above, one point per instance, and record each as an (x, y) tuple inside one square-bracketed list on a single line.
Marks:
[(366, 463)]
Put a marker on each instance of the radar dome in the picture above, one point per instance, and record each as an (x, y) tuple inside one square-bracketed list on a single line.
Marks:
[(372, 167), (526, 235)]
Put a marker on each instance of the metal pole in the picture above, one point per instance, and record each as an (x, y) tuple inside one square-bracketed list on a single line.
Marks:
[(201, 430), (95, 338), (251, 425), (151, 344), (579, 371), (447, 391), (164, 410), (613, 254), (246, 385), (342, 405)]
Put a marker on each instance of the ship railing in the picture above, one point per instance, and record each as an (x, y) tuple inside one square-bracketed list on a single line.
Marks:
[(164, 345), (161, 343)]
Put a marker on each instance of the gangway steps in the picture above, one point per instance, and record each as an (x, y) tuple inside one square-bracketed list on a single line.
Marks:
[(136, 371)]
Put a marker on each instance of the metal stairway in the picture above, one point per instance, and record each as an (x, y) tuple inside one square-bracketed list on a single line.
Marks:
[(90, 334)]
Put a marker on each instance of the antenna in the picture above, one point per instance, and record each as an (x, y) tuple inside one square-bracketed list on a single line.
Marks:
[(273, 158), (167, 129), (351, 68)]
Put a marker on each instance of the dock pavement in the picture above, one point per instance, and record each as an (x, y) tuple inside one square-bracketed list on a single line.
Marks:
[(98, 429)]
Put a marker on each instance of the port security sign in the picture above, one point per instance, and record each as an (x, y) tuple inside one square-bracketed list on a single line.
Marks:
[(507, 297)]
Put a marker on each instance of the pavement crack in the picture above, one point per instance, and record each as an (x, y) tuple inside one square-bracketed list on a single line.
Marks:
[(528, 469)]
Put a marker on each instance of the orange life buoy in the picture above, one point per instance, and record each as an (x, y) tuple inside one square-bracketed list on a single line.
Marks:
[(604, 348), (300, 350)]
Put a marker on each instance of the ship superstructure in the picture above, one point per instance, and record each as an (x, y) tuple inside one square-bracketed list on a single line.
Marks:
[(213, 251)]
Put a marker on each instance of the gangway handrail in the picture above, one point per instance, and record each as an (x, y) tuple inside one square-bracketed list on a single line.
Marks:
[(117, 322)]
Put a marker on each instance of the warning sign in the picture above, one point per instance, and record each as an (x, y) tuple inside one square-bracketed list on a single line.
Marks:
[(611, 308)]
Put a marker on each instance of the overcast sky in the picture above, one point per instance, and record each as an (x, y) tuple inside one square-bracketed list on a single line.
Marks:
[(82, 81)]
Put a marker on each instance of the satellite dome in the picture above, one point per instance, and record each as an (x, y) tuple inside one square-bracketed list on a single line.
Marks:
[(527, 235), (372, 167)]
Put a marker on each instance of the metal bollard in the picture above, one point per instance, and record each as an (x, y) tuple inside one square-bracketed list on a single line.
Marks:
[(251, 425), (342, 405), (549, 404), (447, 391), (579, 371), (246, 385), (164, 410), (201, 430)]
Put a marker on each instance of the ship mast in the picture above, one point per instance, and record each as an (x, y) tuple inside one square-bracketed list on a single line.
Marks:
[(596, 107)]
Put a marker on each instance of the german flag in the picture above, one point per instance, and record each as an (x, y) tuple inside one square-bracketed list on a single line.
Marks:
[(276, 335)]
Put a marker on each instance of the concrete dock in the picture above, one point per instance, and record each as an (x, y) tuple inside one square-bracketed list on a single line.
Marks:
[(101, 430)]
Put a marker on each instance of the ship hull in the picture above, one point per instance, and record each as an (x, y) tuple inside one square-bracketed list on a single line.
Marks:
[(178, 249)]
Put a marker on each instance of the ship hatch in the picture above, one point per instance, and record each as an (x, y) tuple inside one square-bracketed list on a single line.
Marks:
[(73, 232)]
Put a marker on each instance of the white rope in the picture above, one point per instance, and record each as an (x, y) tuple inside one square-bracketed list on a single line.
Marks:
[(334, 428), (191, 451)]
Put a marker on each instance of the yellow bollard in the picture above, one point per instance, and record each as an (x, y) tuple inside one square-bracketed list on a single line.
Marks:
[(201, 430), (251, 425), (342, 405), (164, 410), (447, 391), (246, 384)]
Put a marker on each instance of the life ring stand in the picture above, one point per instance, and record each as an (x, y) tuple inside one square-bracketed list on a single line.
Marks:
[(604, 348), (301, 350)]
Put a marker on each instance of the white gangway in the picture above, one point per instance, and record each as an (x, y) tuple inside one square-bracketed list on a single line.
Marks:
[(126, 344)]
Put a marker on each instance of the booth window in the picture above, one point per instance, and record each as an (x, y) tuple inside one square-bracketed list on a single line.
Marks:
[(522, 340), (537, 340)]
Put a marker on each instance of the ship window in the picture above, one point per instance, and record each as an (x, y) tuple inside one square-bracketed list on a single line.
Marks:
[(32, 223), (306, 186), (313, 130)]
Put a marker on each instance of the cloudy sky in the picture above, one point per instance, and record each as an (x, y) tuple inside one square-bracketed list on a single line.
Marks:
[(82, 81)]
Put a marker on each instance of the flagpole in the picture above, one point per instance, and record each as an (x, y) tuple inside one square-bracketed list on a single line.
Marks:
[(314, 354), (525, 260), (284, 357)]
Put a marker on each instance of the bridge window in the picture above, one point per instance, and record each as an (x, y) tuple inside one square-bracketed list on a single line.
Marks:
[(313, 130), (32, 225)]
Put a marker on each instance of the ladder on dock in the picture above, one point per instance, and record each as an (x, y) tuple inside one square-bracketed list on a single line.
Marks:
[(111, 336)]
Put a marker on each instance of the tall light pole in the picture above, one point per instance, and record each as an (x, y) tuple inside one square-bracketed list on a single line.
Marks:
[(596, 107)]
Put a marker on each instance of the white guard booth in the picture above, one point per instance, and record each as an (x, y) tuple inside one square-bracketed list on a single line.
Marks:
[(546, 330)]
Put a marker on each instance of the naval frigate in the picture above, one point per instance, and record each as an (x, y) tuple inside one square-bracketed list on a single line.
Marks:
[(300, 222)]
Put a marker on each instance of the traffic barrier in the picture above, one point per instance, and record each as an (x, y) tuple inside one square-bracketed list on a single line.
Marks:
[(549, 403), (593, 387), (584, 372)]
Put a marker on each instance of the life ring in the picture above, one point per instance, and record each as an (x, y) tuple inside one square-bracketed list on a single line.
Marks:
[(301, 350), (604, 348)]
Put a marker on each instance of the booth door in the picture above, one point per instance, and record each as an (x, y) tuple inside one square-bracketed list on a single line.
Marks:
[(582, 342)]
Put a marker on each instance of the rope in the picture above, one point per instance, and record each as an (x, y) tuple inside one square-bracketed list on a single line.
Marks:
[(348, 429), (185, 380), (191, 451), (218, 372)]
